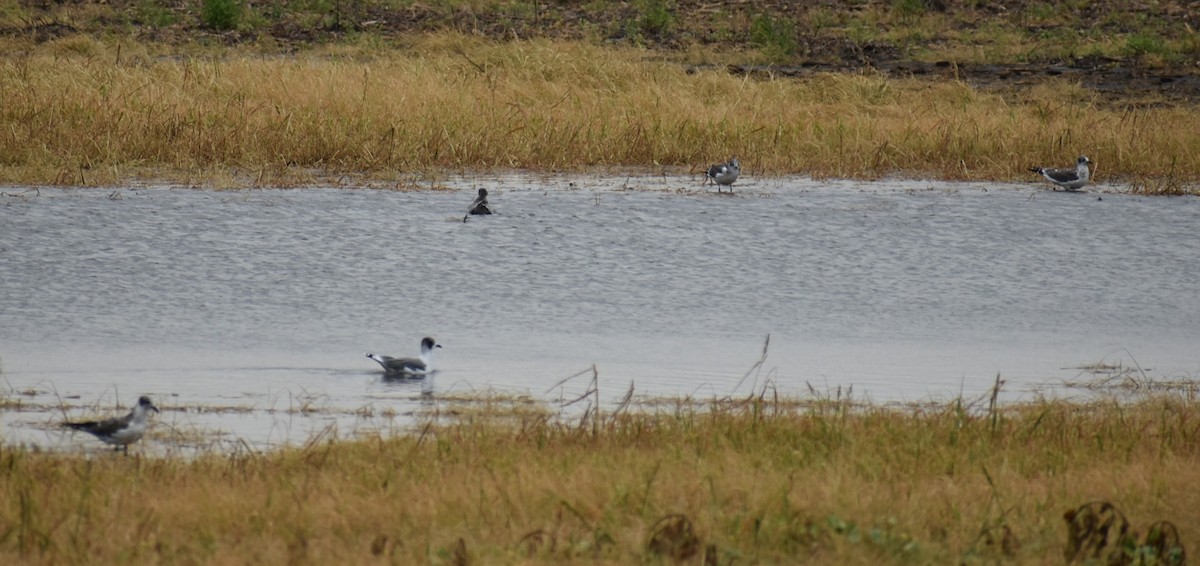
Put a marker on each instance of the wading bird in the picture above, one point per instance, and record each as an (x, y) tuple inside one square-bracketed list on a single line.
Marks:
[(1069, 179), (724, 174), (120, 431)]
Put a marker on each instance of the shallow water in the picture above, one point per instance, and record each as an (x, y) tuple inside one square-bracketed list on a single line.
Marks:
[(261, 303)]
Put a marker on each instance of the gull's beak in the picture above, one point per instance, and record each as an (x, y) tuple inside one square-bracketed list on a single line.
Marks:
[(154, 408)]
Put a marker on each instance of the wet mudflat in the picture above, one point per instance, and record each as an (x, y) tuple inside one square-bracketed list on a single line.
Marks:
[(246, 314)]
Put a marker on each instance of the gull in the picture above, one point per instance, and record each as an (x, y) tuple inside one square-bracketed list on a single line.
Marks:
[(409, 367), (1069, 179), (480, 206), (120, 431), (725, 173)]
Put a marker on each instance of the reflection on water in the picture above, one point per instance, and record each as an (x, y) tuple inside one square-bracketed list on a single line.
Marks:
[(249, 312)]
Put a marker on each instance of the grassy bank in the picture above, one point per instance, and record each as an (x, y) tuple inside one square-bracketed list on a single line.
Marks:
[(752, 482), (87, 112)]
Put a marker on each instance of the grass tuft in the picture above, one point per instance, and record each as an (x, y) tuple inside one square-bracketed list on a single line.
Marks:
[(1141, 44)]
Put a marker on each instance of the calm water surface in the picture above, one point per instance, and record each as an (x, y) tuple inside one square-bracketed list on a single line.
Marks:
[(260, 304)]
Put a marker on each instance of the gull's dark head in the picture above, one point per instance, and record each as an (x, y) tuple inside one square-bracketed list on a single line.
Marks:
[(428, 343), (1083, 159), (145, 403), (482, 193)]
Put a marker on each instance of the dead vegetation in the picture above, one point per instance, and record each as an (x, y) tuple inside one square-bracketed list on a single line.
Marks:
[(101, 115), (746, 481)]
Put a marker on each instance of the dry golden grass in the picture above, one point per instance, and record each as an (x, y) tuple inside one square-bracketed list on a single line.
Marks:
[(749, 483), (82, 112)]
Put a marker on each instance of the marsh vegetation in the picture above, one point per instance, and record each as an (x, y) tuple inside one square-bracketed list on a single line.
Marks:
[(221, 93), (750, 480), (379, 90)]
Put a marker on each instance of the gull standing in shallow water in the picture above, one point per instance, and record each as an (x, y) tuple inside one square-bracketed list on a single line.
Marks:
[(724, 174), (120, 431), (1069, 179), (409, 367), (480, 206)]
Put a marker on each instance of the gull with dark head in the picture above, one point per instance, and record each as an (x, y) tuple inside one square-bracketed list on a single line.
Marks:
[(724, 174), (1069, 179), (409, 367), (120, 431), (479, 206)]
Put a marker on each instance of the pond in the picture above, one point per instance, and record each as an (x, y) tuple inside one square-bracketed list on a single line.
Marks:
[(246, 314)]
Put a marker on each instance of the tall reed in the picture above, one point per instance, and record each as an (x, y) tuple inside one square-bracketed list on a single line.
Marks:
[(79, 112)]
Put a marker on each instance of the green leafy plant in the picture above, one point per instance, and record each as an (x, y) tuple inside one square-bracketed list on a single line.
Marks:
[(221, 14), (655, 17), (155, 14), (1145, 44), (775, 36), (908, 9)]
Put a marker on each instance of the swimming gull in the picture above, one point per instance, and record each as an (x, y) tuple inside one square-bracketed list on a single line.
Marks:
[(409, 367), (479, 206)]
